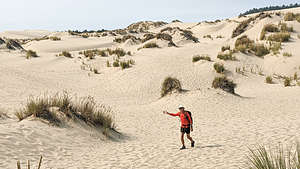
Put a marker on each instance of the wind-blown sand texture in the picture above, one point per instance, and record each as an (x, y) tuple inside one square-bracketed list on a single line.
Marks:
[(225, 125)]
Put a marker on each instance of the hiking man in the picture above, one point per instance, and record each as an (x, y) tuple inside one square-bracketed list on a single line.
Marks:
[(186, 125)]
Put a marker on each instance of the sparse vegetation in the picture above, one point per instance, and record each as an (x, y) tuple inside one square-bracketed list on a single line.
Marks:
[(271, 28), (287, 81), (241, 28), (58, 108), (220, 37), (219, 68), (224, 84), (245, 45), (286, 54), (116, 63), (224, 48), (151, 45), (30, 54), (208, 36), (275, 47), (170, 85), (92, 53), (269, 80), (260, 50), (263, 158), (280, 37), (296, 76), (108, 64), (226, 56), (201, 57), (54, 38), (285, 28), (66, 54), (125, 38)]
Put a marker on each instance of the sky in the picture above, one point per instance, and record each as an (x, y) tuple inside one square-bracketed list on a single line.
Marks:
[(59, 15)]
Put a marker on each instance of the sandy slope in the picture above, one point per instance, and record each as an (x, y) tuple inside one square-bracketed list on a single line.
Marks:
[(225, 125)]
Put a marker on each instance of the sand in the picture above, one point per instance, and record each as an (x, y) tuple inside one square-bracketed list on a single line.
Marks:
[(225, 125)]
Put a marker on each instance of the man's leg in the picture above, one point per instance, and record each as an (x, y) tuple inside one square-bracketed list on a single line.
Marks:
[(182, 138), (191, 139)]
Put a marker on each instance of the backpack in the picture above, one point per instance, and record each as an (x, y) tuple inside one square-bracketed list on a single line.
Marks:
[(190, 116)]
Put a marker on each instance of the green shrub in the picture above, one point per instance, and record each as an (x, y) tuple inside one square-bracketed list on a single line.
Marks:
[(84, 110), (151, 45), (189, 35), (201, 57), (54, 38), (170, 85), (287, 54), (219, 68), (243, 43), (224, 84), (278, 158), (66, 54), (269, 80), (224, 48), (287, 81), (280, 37), (31, 53)]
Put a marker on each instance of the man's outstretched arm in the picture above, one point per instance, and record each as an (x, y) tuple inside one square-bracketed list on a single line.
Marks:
[(171, 114)]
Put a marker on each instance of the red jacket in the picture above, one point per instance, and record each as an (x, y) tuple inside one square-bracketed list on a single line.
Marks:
[(185, 119)]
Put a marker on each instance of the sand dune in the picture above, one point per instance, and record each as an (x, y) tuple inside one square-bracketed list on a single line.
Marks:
[(225, 124)]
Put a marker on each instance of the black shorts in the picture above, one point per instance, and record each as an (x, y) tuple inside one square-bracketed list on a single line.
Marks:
[(185, 130)]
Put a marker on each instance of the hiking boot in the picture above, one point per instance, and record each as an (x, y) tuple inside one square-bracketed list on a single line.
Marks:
[(193, 143), (182, 148)]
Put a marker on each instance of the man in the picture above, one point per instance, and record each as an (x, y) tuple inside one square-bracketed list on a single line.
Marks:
[(186, 125)]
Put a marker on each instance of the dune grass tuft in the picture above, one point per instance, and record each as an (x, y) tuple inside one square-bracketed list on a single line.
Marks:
[(224, 84), (85, 110), (201, 57), (219, 68), (66, 54), (280, 37), (278, 158), (30, 54), (170, 85), (269, 80), (287, 81)]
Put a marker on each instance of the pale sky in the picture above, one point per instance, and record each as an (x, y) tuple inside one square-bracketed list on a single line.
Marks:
[(112, 14)]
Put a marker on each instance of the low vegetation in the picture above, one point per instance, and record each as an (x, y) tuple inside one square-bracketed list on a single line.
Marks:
[(151, 45), (28, 164), (275, 47), (208, 36), (224, 48), (287, 81), (269, 80), (54, 38), (30, 54), (124, 64), (285, 28), (224, 84), (245, 45), (269, 8), (66, 54), (286, 54), (170, 85), (280, 37), (125, 38), (270, 158), (94, 52), (242, 27), (219, 68), (60, 108), (201, 57), (226, 56), (289, 16)]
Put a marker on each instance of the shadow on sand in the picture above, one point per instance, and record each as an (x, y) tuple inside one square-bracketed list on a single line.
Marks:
[(209, 146)]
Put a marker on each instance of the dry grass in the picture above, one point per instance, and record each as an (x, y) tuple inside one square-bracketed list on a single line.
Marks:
[(226, 56), (208, 36), (224, 48), (92, 53), (54, 38), (151, 45), (287, 82), (269, 80), (275, 47), (30, 54), (219, 68), (201, 57), (285, 28), (66, 54), (28, 164), (241, 28), (280, 37), (170, 85), (84, 109), (286, 54), (224, 84)]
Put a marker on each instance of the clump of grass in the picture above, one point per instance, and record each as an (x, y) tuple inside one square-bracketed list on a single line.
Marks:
[(224, 48), (220, 37), (260, 50), (289, 16), (275, 47), (287, 82), (96, 71), (243, 43), (226, 56), (151, 45), (54, 38), (286, 54), (263, 158), (241, 28), (116, 63), (108, 64), (271, 28), (269, 80), (66, 54), (94, 52), (147, 36), (224, 84), (285, 28), (219, 68), (3, 115), (125, 64), (189, 35), (201, 57), (280, 37), (208, 36), (30, 54), (85, 110), (125, 38), (296, 76), (170, 85)]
